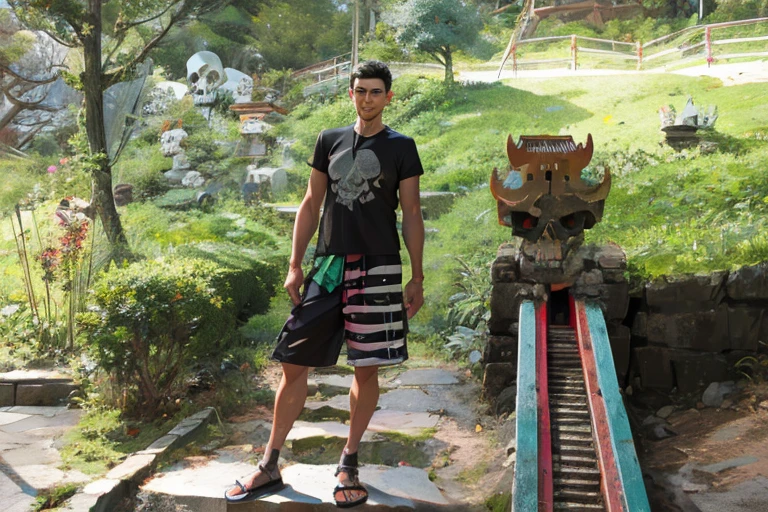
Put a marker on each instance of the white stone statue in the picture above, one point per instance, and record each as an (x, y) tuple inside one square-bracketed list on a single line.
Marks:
[(170, 145), (205, 75)]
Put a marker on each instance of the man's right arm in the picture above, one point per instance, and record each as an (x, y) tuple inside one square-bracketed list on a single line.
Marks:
[(307, 219)]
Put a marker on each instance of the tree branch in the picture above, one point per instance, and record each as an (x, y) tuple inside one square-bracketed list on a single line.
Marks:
[(124, 27), (6, 69), (25, 104)]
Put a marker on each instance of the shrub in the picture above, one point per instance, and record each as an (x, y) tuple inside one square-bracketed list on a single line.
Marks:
[(151, 319), (251, 280)]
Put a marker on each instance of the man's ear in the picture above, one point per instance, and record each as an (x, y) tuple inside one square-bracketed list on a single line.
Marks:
[(390, 94), (351, 94)]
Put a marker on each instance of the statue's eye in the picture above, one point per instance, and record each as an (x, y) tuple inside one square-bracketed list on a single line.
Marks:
[(568, 221), (529, 222)]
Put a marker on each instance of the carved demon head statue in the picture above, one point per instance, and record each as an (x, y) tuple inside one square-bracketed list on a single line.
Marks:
[(548, 199)]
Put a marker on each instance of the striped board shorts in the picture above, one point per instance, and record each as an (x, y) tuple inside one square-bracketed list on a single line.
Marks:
[(366, 311)]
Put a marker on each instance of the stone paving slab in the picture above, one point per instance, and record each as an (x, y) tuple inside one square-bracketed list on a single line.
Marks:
[(406, 400), (305, 429), (7, 418), (749, 496), (307, 484), (402, 421), (410, 400), (47, 411), (426, 377), (29, 459), (65, 419), (729, 464)]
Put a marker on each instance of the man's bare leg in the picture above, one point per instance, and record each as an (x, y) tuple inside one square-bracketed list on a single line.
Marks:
[(289, 402), (363, 397)]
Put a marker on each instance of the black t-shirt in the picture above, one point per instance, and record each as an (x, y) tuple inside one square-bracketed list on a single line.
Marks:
[(363, 178)]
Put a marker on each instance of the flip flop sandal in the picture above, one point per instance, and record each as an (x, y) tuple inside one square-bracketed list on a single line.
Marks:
[(349, 466), (274, 485)]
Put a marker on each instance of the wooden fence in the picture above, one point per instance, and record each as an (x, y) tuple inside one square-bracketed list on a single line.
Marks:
[(712, 42)]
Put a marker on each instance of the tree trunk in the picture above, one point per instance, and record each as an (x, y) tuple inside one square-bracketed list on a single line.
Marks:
[(448, 65), (101, 181)]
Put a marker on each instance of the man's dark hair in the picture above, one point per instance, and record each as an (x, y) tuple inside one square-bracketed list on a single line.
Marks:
[(372, 69)]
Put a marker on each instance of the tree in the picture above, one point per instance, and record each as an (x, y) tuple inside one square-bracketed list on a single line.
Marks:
[(437, 27), (296, 33), (29, 64), (114, 38)]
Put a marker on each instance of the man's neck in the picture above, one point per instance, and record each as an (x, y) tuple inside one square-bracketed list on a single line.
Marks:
[(370, 128)]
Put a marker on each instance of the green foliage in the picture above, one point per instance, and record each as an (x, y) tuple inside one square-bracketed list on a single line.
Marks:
[(730, 10), (251, 280), (628, 30), (292, 34), (383, 45), (17, 176), (103, 438), (142, 165), (52, 498), (500, 502), (150, 319)]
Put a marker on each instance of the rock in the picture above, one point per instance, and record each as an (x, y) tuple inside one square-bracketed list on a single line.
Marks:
[(684, 417), (628, 391), (691, 487), (665, 411), (653, 420), (193, 179), (662, 431), (763, 404), (711, 396), (506, 402), (727, 404)]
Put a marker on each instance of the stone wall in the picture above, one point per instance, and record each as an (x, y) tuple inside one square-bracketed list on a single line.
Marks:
[(682, 332), (600, 277), (690, 330)]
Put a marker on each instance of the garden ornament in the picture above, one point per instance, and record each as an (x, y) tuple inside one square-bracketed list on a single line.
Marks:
[(205, 75), (171, 145), (548, 199), (239, 85)]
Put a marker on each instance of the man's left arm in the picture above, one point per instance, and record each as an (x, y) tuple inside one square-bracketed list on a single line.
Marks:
[(413, 236)]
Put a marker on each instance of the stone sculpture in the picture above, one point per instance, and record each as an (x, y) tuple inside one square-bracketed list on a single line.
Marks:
[(549, 197), (205, 75), (171, 145)]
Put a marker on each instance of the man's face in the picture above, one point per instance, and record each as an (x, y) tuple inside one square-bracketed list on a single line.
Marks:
[(369, 97)]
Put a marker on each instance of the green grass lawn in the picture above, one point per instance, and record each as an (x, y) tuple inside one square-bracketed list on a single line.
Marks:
[(673, 212)]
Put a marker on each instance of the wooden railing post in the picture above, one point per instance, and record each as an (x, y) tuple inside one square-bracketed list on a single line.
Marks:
[(574, 52), (514, 59), (708, 43), (639, 47)]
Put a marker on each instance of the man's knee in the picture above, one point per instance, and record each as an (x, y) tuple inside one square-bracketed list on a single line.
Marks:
[(365, 373), (292, 372)]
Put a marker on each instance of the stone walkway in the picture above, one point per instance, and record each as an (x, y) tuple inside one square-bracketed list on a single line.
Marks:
[(421, 403), (29, 458)]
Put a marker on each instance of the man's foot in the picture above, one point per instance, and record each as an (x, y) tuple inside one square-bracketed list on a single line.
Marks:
[(349, 492), (265, 481)]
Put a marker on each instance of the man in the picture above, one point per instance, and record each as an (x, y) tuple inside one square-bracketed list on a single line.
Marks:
[(353, 292)]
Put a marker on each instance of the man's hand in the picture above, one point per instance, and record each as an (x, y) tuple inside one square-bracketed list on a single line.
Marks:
[(413, 297), (293, 282)]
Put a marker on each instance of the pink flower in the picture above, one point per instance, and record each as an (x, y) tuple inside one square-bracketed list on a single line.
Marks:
[(52, 169), (64, 161)]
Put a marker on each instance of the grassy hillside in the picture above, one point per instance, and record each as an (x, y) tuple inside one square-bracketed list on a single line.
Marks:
[(673, 212)]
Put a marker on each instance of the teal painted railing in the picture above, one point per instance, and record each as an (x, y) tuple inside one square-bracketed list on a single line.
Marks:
[(525, 487), (618, 423)]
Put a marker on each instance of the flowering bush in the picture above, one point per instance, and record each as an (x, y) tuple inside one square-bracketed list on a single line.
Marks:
[(152, 319)]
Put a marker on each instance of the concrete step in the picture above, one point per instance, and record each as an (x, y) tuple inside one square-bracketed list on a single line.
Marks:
[(200, 487), (34, 388)]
